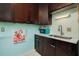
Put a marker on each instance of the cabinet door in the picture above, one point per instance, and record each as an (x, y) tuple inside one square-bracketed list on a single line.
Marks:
[(25, 12), (36, 14), (43, 13), (49, 47), (5, 12), (50, 18), (18, 12), (45, 46), (63, 49), (33, 11), (56, 6), (28, 13), (39, 45)]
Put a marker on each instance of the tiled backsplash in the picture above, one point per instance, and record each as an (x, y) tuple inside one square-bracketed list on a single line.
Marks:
[(69, 24)]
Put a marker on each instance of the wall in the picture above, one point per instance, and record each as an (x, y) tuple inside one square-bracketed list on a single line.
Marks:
[(6, 38), (78, 29), (71, 22)]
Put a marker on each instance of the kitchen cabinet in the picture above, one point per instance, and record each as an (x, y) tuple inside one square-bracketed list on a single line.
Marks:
[(44, 46), (65, 49), (39, 44), (18, 13), (32, 13), (52, 47), (57, 6), (36, 14), (42, 14), (6, 12), (29, 10), (49, 47), (23, 12), (50, 18)]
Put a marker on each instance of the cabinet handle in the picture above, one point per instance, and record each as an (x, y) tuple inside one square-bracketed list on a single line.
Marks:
[(52, 46)]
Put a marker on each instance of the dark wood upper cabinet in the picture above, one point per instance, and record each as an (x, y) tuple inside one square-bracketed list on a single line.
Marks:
[(23, 12), (26, 13), (32, 13), (43, 14), (18, 13), (29, 12), (5, 12), (57, 6)]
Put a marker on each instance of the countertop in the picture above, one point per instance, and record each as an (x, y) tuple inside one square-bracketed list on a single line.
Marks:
[(73, 40)]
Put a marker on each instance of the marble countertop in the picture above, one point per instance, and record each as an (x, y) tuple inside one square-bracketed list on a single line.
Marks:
[(73, 40)]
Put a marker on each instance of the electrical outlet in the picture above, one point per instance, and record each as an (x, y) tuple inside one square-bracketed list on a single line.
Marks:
[(2, 29), (68, 29)]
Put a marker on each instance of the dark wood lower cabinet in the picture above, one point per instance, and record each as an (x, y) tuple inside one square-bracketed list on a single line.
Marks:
[(66, 49), (39, 45), (49, 51), (63, 50), (51, 47)]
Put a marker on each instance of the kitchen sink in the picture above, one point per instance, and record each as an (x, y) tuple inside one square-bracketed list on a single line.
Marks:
[(63, 37)]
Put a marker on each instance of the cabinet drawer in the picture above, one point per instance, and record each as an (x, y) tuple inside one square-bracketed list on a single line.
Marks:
[(51, 42), (63, 43), (64, 49)]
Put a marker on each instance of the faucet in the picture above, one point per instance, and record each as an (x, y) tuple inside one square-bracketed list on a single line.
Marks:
[(60, 29)]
